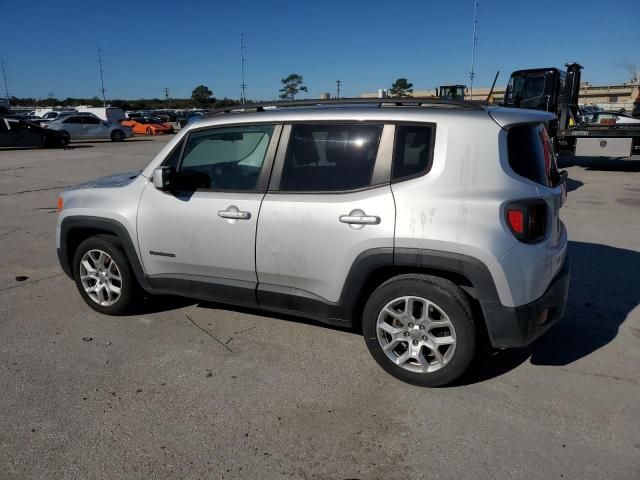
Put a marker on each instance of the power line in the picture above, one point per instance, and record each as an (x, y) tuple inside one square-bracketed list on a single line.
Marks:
[(243, 60), (102, 89)]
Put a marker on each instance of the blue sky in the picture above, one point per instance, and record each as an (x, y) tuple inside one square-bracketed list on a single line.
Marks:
[(51, 46)]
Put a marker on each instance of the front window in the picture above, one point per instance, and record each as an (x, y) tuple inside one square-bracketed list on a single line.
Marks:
[(226, 158)]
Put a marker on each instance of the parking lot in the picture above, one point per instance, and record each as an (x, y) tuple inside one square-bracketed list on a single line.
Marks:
[(202, 390)]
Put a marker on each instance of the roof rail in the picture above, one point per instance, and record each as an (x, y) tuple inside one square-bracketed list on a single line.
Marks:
[(380, 102)]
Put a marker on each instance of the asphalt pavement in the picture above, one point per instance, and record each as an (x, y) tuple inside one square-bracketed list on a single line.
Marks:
[(193, 390)]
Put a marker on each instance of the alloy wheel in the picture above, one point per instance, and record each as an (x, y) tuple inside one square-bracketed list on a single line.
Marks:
[(100, 277), (416, 334)]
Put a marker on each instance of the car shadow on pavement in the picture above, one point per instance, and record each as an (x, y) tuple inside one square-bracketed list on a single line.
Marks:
[(573, 184), (600, 164), (604, 290)]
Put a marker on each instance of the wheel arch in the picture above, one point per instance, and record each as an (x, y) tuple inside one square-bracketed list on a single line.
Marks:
[(74, 230), (374, 267)]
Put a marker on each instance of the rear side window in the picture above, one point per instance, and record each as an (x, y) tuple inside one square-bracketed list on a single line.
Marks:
[(530, 153), (413, 151), (335, 157)]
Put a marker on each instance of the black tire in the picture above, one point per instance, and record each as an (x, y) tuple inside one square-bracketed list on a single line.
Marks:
[(117, 136), (64, 141), (129, 288), (450, 299)]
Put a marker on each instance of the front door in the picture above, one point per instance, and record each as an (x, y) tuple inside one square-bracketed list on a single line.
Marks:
[(200, 238), (73, 126)]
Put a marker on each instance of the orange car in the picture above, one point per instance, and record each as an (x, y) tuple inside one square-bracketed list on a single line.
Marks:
[(148, 125)]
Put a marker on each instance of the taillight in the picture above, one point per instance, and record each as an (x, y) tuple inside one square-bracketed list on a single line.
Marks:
[(60, 204), (527, 219)]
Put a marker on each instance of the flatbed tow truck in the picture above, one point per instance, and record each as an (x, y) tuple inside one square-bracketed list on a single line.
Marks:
[(555, 91)]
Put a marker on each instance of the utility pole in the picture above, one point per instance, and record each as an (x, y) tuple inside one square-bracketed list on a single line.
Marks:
[(166, 94), (472, 73), (51, 96), (102, 89), (4, 76), (338, 85), (243, 60)]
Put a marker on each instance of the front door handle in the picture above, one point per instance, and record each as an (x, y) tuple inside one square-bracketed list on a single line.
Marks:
[(234, 215), (360, 219)]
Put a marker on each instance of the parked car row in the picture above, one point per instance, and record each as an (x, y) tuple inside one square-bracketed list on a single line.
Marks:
[(56, 128)]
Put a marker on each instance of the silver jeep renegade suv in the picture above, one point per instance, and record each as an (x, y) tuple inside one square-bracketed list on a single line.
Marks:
[(429, 225)]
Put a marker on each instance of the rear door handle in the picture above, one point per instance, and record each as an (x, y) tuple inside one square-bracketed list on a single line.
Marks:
[(230, 214), (360, 219)]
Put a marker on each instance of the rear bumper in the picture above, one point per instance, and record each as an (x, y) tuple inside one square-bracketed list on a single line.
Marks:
[(519, 326)]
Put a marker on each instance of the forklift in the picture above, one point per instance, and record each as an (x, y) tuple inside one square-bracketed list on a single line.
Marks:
[(555, 91), (451, 92)]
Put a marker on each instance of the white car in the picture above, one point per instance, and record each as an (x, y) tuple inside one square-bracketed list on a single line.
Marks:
[(88, 126)]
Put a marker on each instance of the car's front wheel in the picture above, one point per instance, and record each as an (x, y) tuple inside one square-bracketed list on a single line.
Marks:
[(420, 329), (103, 275)]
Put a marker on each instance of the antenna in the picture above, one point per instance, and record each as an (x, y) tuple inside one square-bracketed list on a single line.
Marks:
[(472, 73), (243, 59), (338, 85), (4, 76), (492, 87), (102, 89)]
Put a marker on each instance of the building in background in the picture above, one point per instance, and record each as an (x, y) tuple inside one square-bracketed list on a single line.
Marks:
[(607, 97)]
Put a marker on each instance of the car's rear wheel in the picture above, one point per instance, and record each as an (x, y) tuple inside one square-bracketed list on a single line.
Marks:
[(149, 131), (117, 136), (103, 275), (420, 329)]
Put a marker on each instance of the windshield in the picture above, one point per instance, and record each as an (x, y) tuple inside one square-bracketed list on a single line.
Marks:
[(525, 87)]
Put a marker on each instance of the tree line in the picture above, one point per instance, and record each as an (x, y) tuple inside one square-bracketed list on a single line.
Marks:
[(201, 97)]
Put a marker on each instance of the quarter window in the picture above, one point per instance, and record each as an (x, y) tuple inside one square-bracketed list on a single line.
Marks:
[(413, 151), (226, 158), (330, 157)]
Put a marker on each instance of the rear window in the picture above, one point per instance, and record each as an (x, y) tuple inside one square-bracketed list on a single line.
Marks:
[(530, 153), (413, 151)]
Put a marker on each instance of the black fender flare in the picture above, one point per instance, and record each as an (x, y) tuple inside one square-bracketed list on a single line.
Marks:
[(102, 225)]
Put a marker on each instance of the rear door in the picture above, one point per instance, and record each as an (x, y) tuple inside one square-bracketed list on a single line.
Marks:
[(329, 201), (93, 127)]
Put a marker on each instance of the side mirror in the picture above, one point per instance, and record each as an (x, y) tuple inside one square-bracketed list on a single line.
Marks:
[(163, 177)]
